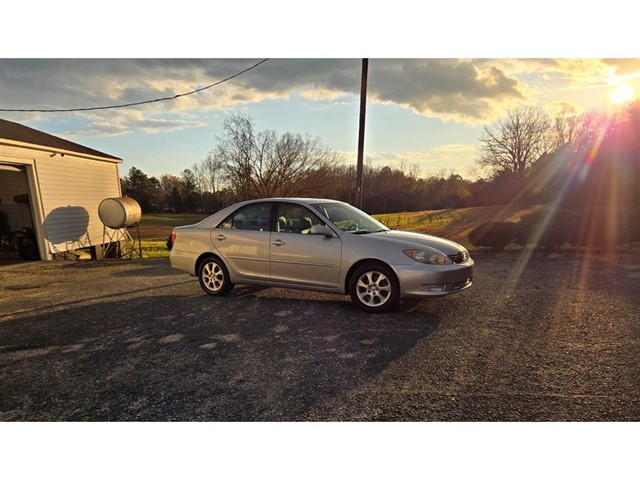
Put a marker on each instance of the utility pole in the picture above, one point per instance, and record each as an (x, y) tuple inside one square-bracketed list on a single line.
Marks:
[(363, 114)]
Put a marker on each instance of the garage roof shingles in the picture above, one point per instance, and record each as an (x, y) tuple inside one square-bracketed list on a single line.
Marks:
[(20, 133)]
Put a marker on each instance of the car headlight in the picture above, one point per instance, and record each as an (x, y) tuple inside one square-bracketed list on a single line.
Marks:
[(430, 256)]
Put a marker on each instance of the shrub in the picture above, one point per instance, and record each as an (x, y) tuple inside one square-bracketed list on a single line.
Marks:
[(549, 229), (603, 227), (493, 234), (596, 227)]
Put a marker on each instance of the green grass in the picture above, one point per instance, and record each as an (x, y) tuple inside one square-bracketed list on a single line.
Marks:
[(418, 220), (155, 228), (171, 219), (454, 223), (154, 248)]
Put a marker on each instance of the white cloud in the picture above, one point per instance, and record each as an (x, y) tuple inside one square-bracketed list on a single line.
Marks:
[(449, 89), (471, 91)]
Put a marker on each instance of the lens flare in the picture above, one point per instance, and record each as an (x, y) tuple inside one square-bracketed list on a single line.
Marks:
[(622, 94)]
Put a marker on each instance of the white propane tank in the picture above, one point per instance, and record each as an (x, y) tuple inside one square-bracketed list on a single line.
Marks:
[(119, 212)]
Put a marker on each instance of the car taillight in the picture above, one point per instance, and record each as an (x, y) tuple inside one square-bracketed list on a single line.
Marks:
[(171, 240)]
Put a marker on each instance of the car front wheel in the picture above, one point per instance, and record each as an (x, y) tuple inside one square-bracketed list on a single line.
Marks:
[(374, 288), (214, 277)]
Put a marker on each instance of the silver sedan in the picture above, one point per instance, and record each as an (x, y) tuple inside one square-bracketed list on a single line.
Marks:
[(322, 245)]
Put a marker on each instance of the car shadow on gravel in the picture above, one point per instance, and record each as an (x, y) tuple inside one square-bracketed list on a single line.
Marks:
[(196, 358), (147, 268)]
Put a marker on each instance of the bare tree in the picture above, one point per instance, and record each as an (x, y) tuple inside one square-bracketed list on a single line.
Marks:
[(211, 169), (514, 143), (240, 153), (410, 170), (265, 164), (566, 129), (209, 175)]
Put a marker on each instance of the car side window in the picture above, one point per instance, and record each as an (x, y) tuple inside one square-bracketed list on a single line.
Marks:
[(291, 218), (251, 217)]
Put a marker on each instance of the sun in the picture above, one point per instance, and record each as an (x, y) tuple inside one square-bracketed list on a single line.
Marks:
[(622, 94)]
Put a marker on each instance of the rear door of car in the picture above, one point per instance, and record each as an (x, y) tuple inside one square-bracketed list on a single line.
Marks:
[(299, 258), (242, 240)]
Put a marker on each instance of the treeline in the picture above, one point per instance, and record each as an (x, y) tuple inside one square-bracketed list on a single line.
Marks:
[(589, 182), (581, 161), (247, 164), (386, 190), (567, 162)]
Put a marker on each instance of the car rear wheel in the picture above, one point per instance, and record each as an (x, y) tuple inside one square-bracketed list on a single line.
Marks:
[(214, 277), (374, 288)]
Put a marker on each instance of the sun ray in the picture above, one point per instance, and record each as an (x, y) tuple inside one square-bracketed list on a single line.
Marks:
[(573, 167), (622, 94)]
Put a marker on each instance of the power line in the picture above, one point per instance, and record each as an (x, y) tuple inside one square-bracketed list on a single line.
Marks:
[(134, 104)]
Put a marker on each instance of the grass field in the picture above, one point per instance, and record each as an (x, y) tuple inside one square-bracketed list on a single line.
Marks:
[(454, 224), (156, 228)]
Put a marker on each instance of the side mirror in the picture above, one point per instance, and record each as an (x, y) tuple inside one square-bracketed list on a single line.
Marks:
[(321, 230)]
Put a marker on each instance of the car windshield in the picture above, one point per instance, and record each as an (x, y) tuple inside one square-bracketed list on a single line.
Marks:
[(349, 219)]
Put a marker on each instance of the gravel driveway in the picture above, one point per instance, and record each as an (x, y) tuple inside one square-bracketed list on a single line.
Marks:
[(539, 337)]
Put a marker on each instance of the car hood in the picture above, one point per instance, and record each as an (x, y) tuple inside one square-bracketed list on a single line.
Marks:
[(417, 240)]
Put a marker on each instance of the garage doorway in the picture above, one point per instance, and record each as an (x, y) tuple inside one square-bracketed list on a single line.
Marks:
[(17, 233)]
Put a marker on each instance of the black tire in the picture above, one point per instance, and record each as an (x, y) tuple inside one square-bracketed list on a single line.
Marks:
[(374, 288), (213, 277)]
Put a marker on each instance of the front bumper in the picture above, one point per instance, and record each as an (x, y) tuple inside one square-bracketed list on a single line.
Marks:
[(419, 280)]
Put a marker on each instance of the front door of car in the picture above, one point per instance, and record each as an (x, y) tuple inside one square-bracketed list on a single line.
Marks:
[(242, 240), (297, 257)]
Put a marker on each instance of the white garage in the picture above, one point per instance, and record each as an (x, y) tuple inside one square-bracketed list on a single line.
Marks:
[(50, 190)]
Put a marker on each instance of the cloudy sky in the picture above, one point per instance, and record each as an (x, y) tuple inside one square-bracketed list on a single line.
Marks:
[(422, 109)]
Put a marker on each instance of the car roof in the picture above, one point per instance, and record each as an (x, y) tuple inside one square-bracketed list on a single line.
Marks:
[(217, 216), (295, 199)]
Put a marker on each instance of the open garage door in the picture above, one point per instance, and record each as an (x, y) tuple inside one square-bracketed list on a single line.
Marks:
[(17, 234)]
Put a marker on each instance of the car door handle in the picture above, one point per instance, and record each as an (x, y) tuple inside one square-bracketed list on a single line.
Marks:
[(221, 237), (277, 243)]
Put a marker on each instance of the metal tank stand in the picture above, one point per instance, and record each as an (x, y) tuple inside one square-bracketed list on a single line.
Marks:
[(68, 251), (120, 244)]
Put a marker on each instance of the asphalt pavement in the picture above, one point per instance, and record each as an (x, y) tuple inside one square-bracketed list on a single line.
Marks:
[(539, 337)]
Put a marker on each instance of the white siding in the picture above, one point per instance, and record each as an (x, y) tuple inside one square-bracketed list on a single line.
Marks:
[(71, 190)]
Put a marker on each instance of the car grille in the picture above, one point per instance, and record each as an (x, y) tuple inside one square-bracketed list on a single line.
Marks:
[(459, 257)]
